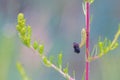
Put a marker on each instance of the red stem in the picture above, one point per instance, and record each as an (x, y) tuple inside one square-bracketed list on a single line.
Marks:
[(87, 39)]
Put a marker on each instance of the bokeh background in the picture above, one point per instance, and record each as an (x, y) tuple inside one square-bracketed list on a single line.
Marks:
[(57, 24)]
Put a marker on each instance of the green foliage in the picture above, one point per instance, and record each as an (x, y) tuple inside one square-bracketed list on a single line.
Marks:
[(23, 30), (90, 1), (84, 8), (115, 45), (83, 76), (60, 60), (35, 45), (105, 46), (41, 48), (22, 71), (7, 52), (25, 33), (46, 62), (94, 51), (65, 70), (83, 38)]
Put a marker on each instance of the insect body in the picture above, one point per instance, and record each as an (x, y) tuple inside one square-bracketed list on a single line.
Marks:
[(76, 47)]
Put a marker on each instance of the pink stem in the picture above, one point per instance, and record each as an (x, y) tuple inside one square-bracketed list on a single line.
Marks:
[(87, 39)]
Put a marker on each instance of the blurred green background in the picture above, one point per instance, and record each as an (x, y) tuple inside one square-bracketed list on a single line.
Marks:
[(57, 24)]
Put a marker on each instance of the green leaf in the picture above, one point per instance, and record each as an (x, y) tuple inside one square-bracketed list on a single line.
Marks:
[(65, 70), (94, 51), (27, 42), (21, 21), (106, 49), (105, 43), (84, 9), (100, 44), (35, 45), (23, 31), (91, 1), (83, 76), (41, 48), (29, 31), (60, 60), (20, 16), (115, 45), (45, 60), (22, 71), (18, 28)]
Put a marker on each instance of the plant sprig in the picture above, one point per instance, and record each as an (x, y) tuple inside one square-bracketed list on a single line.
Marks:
[(22, 71), (25, 33), (106, 46)]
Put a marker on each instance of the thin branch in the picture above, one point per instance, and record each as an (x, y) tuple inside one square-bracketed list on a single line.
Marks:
[(54, 66), (117, 35)]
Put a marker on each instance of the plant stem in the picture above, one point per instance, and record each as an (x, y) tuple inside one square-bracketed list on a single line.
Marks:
[(65, 75), (87, 39), (117, 35)]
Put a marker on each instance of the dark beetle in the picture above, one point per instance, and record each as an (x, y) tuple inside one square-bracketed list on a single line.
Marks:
[(76, 47)]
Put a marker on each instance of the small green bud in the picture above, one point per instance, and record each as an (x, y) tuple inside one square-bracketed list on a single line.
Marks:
[(91, 1), (41, 48), (26, 41), (65, 70), (45, 60), (29, 31), (20, 16), (116, 45), (22, 22), (23, 31), (35, 45), (60, 60), (100, 46), (106, 49), (84, 9), (83, 35), (18, 28)]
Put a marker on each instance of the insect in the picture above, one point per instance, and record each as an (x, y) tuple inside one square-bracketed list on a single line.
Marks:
[(76, 47)]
